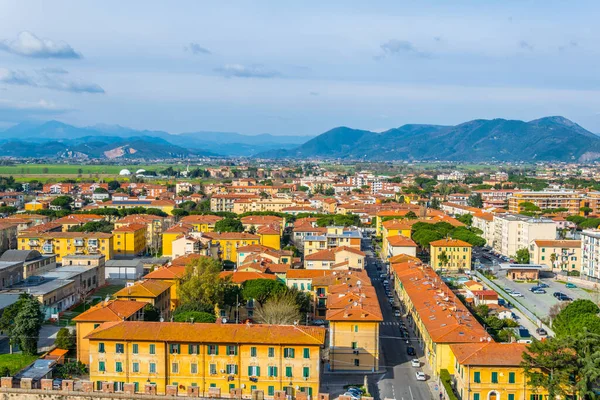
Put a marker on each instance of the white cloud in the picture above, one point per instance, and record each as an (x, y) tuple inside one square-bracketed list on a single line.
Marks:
[(243, 71), (55, 79), (398, 47), (196, 49), (16, 111), (29, 45)]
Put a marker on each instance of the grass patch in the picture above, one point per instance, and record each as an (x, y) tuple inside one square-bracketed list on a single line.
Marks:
[(519, 281), (15, 362), (107, 290), (563, 282)]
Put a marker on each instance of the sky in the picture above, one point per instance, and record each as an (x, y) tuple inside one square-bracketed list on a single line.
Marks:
[(297, 68)]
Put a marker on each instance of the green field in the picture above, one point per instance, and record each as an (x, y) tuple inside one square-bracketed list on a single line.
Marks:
[(15, 362), (70, 169)]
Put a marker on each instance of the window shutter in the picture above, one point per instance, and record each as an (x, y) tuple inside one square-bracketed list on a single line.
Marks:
[(249, 370), (257, 371), (216, 350), (235, 369)]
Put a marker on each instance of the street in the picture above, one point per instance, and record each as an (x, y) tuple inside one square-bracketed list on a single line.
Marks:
[(398, 380)]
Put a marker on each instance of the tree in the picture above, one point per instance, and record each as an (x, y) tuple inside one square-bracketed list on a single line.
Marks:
[(27, 325), (262, 289), (475, 200), (63, 202), (550, 365), (435, 203), (586, 210), (410, 215), (579, 315), (443, 259), (303, 188), (65, 339), (179, 212), (281, 309), (466, 219), (100, 190), (202, 284), (194, 316), (229, 225), (329, 191), (151, 313), (114, 185), (522, 256)]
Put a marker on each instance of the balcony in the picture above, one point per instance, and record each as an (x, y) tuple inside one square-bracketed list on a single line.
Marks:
[(78, 242), (47, 249), (34, 243)]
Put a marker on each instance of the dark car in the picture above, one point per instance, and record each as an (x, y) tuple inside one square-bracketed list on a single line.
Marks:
[(411, 351), (541, 331), (543, 285)]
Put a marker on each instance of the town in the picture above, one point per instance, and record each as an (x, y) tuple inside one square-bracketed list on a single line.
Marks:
[(303, 280)]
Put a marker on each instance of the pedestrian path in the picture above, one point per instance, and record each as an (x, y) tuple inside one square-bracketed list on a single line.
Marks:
[(393, 323)]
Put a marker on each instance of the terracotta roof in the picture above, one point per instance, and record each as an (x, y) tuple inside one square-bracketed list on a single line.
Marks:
[(130, 228), (307, 273), (93, 235), (115, 310), (355, 312), (268, 230), (187, 259), (403, 258), (400, 241), (172, 272), (139, 218), (449, 242), (321, 255), (241, 277), (180, 228), (201, 219), (78, 218), (149, 288), (492, 354), (485, 293), (210, 333), (231, 236), (559, 243), (261, 219)]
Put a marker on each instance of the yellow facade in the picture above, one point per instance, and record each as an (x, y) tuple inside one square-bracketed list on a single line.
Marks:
[(36, 205), (230, 241), (458, 254), (68, 243), (130, 240), (386, 233), (354, 346), (270, 240), (222, 363)]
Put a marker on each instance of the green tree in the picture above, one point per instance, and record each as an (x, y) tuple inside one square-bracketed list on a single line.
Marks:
[(100, 190), (329, 191), (443, 259), (179, 212), (229, 225), (195, 316), (475, 200), (27, 325), (151, 313), (262, 289), (202, 284), (435, 203), (466, 219), (302, 188), (579, 314), (65, 339), (114, 185), (410, 215), (281, 309), (522, 256), (63, 202)]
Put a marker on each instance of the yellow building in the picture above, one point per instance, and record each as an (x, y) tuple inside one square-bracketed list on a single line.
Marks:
[(171, 234), (492, 371), (155, 226), (457, 253), (130, 240), (201, 223), (394, 227), (67, 243), (270, 237), (562, 255), (75, 220), (112, 311), (155, 292), (172, 275), (545, 199), (36, 205), (210, 356), (230, 241)]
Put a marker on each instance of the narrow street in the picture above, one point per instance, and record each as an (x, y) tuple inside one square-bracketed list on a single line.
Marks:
[(398, 380)]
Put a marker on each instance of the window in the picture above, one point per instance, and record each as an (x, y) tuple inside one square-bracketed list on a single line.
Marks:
[(175, 368), (511, 396), (354, 345), (272, 372), (152, 368), (174, 349), (271, 351), (543, 250), (511, 377), (288, 372), (120, 348), (271, 391), (232, 369), (134, 348), (231, 386), (152, 349), (543, 257), (119, 366), (288, 352), (477, 377), (232, 350), (305, 372), (252, 351), (101, 366), (135, 367), (193, 349), (494, 377), (100, 347), (475, 396), (194, 368), (306, 353), (213, 350), (96, 325), (356, 362), (355, 328), (253, 370), (213, 369)]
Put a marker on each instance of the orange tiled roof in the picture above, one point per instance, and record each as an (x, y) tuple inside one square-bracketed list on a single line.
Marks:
[(403, 258), (187, 259), (489, 354), (180, 228), (115, 310), (241, 277), (231, 236), (210, 333), (559, 243), (268, 230), (450, 242), (130, 228), (172, 272), (355, 312), (400, 241), (307, 273), (149, 288), (201, 219)]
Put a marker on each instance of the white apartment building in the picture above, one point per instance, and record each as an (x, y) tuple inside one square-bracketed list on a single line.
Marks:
[(513, 232), (485, 222), (590, 254)]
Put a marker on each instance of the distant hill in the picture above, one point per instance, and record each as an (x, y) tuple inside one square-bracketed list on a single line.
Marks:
[(149, 143), (550, 138)]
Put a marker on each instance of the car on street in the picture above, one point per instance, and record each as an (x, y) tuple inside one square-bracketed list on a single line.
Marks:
[(397, 313), (543, 285), (561, 296), (386, 282), (411, 351), (570, 285), (319, 322), (516, 294), (391, 301), (541, 331), (539, 291), (382, 276), (355, 390), (57, 384), (421, 376), (353, 396), (534, 288), (415, 362), (508, 290)]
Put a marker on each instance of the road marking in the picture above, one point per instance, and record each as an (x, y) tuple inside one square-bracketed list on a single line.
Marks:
[(411, 395)]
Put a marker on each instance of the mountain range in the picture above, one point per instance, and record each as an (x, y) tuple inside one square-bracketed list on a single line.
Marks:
[(545, 139), (57, 139), (550, 138)]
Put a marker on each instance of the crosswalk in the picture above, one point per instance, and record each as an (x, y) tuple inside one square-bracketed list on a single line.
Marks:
[(393, 323)]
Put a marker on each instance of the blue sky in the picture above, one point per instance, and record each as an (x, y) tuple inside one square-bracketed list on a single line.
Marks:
[(288, 68)]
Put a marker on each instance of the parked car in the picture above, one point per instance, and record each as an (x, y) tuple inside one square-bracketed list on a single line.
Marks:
[(319, 322), (539, 291), (353, 396), (57, 384), (411, 351), (421, 376), (516, 294), (386, 282), (541, 331), (570, 285), (508, 290), (415, 362), (397, 313), (382, 276), (357, 391), (534, 288), (543, 285)]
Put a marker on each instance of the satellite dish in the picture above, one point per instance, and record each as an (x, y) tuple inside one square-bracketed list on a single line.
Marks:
[(358, 283), (224, 320)]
